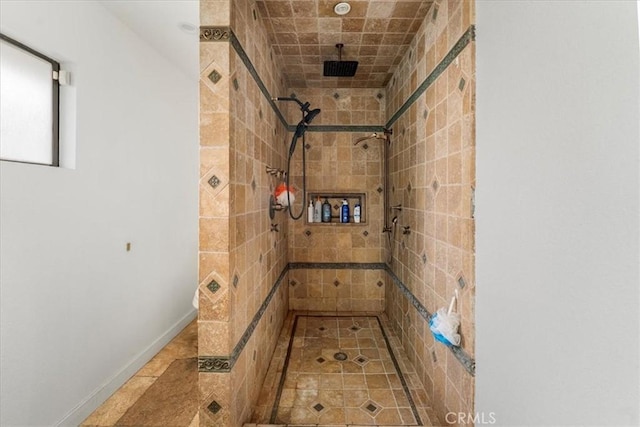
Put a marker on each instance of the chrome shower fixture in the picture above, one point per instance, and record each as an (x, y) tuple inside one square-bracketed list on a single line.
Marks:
[(397, 207)]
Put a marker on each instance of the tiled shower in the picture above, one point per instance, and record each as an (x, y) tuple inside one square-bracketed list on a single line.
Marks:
[(253, 269)]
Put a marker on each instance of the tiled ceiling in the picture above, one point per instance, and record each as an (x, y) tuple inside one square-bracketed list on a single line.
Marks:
[(377, 33)]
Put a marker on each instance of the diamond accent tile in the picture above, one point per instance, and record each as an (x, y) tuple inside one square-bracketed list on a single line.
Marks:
[(424, 258), (214, 407), (379, 95), (435, 185), (214, 76), (433, 356), (380, 284), (308, 146), (292, 282), (336, 283), (365, 233), (213, 286), (379, 190), (318, 407), (260, 114), (409, 187), (425, 114), (372, 408), (336, 95), (260, 258), (236, 279), (255, 15), (365, 146), (320, 360), (253, 185), (461, 282), (336, 206), (361, 360), (236, 86), (322, 328), (435, 14), (214, 181), (461, 84), (355, 328), (307, 233), (403, 245)]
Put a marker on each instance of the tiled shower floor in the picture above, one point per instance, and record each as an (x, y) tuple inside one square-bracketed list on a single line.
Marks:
[(346, 369)]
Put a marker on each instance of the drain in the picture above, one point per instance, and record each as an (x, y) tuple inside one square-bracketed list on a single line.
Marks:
[(340, 356)]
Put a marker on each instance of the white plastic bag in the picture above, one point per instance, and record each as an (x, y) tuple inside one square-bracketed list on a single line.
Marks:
[(444, 325)]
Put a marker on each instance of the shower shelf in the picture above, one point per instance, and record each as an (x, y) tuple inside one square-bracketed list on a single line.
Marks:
[(335, 199)]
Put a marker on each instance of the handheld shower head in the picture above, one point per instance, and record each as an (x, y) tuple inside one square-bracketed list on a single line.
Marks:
[(311, 115)]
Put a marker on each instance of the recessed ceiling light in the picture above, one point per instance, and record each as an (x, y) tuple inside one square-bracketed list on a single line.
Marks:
[(187, 27), (342, 8)]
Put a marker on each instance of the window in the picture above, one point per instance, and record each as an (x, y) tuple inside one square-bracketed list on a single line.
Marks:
[(29, 104)]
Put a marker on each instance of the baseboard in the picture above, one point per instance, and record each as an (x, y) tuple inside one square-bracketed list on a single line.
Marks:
[(102, 393)]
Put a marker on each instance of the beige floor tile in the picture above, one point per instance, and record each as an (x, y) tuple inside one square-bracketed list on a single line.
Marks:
[(115, 407)]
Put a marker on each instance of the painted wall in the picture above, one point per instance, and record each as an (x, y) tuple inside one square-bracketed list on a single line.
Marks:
[(557, 213), (80, 314)]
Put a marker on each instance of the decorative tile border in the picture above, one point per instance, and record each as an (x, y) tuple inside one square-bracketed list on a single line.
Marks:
[(215, 34), (467, 37), (340, 128), (467, 361), (337, 265)]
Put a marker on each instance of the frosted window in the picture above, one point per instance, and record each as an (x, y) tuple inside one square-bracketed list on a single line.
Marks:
[(26, 107)]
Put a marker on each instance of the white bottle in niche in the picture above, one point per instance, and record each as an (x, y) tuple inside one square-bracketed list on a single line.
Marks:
[(310, 211), (356, 213), (317, 211)]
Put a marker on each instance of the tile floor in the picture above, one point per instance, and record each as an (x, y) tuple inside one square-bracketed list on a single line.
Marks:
[(162, 393), (339, 370), (346, 369)]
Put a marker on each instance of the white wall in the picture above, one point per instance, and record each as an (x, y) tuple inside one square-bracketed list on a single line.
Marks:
[(557, 212), (79, 313)]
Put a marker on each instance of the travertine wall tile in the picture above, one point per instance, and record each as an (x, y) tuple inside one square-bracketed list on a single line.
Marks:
[(433, 177)]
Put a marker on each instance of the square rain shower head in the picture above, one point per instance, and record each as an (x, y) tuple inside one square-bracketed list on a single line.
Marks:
[(340, 68)]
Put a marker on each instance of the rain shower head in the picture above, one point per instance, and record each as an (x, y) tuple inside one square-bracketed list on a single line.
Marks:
[(340, 68)]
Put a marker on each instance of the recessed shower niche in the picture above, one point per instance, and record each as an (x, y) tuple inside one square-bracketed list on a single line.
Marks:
[(335, 199)]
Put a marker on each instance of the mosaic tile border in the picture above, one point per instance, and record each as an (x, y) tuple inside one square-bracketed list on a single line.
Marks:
[(394, 360), (465, 360), (463, 41), (338, 265)]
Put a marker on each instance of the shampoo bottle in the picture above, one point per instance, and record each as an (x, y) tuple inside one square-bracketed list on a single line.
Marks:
[(317, 211), (310, 211), (344, 212), (326, 211), (356, 213)]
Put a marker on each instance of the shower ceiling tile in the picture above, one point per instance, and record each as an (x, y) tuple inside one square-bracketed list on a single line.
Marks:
[(377, 34)]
